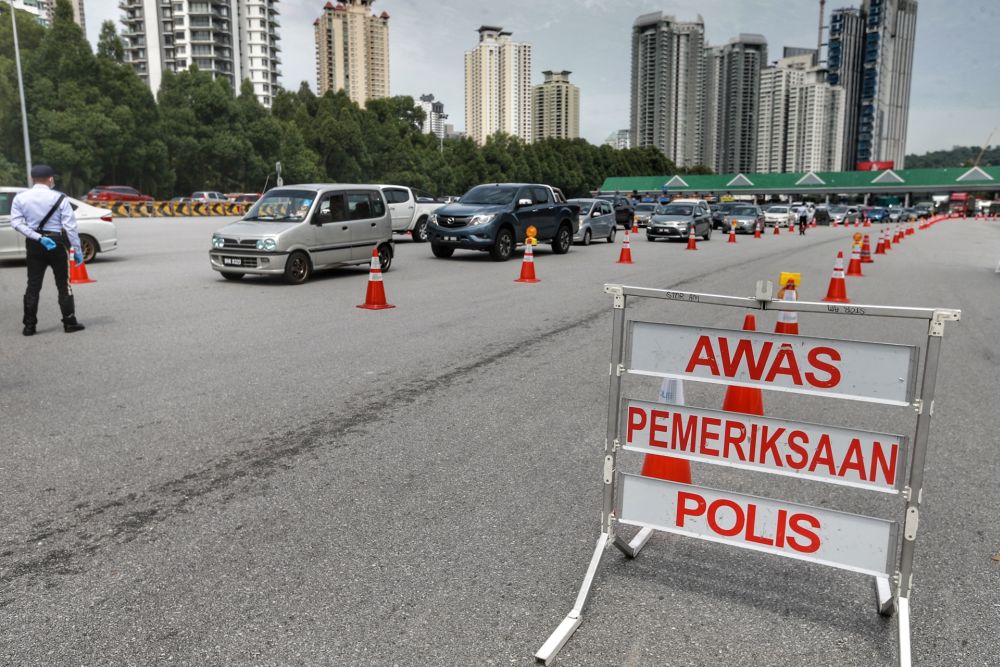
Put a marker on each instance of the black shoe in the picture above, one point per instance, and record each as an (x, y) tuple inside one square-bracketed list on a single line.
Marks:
[(73, 328), (29, 330)]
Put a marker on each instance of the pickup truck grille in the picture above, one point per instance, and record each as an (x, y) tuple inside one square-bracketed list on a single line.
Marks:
[(233, 243), (449, 221)]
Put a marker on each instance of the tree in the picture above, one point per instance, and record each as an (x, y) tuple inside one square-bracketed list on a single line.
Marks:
[(109, 44)]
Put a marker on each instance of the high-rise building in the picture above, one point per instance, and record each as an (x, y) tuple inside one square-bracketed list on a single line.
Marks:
[(40, 9), (887, 65), (233, 40), (555, 109), (620, 139), (352, 50), (78, 15), (667, 95), (434, 116), (731, 85), (801, 119), (843, 63), (498, 86)]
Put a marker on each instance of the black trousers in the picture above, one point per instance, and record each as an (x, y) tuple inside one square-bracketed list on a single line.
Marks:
[(38, 260)]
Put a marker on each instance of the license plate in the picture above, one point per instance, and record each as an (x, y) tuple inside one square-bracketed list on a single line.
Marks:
[(232, 261)]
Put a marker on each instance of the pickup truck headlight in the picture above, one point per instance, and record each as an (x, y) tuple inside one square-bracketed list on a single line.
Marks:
[(482, 219), (218, 242), (267, 244)]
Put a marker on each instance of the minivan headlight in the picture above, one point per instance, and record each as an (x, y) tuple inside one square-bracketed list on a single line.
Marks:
[(267, 244), (218, 242)]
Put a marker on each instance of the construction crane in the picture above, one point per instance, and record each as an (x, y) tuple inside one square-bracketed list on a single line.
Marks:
[(983, 149)]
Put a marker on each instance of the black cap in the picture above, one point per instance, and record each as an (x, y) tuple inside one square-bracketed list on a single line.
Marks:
[(42, 171)]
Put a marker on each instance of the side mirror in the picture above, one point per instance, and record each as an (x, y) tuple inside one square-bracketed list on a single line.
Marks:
[(595, 214), (322, 217), (523, 202)]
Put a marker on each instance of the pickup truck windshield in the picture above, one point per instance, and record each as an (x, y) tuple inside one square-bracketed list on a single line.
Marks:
[(282, 206), (490, 195), (674, 209)]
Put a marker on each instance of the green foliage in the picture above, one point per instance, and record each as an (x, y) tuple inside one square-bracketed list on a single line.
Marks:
[(94, 120), (958, 156)]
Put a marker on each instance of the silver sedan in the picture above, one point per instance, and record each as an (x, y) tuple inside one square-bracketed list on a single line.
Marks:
[(597, 221)]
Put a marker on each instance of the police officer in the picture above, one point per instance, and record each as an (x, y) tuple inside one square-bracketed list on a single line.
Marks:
[(45, 217)]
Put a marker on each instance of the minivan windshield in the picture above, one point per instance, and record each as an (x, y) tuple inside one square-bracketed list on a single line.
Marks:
[(490, 195), (282, 206), (674, 209)]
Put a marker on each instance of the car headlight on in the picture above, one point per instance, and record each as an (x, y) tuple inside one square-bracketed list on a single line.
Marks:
[(267, 245), (218, 242), (482, 219)]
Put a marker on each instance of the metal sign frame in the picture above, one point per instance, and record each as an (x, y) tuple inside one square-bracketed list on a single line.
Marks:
[(892, 596)]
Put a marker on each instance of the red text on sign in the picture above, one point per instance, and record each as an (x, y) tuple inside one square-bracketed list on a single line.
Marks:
[(724, 357), (728, 518)]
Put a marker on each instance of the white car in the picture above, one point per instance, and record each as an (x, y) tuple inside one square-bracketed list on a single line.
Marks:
[(98, 232), (410, 210), (777, 215)]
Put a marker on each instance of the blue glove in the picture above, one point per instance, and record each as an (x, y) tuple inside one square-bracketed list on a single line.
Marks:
[(47, 243), (78, 257)]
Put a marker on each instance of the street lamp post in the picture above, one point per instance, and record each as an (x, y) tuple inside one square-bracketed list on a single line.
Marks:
[(20, 89)]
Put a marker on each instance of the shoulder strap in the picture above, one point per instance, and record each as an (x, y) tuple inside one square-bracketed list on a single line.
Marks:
[(55, 207)]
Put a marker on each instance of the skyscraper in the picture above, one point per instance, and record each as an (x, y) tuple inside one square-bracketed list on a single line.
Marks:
[(434, 116), (233, 40), (555, 109), (667, 95), (843, 63), (498, 86), (731, 98), (352, 50)]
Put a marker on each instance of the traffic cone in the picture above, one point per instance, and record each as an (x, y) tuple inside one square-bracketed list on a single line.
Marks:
[(837, 291), (854, 266), (635, 226), (78, 273), (788, 320), (888, 240), (899, 235), (756, 231), (375, 296), (692, 242), (909, 230), (625, 256), (866, 251), (833, 223), (748, 400), (880, 248), (732, 234), (868, 222), (528, 267), (668, 467), (777, 232)]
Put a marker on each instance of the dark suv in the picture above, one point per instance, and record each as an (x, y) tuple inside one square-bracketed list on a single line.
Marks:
[(623, 208)]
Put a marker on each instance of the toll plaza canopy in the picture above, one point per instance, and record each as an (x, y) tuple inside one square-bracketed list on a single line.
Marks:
[(889, 181)]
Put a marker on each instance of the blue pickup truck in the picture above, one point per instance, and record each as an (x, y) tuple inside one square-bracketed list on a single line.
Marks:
[(494, 218)]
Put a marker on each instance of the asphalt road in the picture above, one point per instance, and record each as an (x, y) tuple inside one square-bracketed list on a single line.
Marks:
[(248, 473)]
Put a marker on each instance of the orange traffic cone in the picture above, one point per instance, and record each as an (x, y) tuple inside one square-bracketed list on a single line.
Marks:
[(833, 223), (528, 267), (668, 467), (899, 235), (756, 231), (880, 248), (837, 291), (78, 273), (910, 231), (888, 240), (777, 232), (692, 242), (866, 251), (732, 234), (788, 320), (375, 297), (625, 256), (748, 400), (635, 226), (854, 266), (868, 222)]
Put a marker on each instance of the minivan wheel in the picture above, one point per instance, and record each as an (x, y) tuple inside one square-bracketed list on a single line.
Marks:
[(503, 247), (384, 258), (297, 268), (563, 240), (419, 233), (442, 251)]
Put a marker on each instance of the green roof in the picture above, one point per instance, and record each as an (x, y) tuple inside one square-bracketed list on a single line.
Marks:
[(899, 180)]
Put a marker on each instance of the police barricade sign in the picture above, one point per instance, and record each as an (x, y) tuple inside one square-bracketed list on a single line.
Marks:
[(874, 372)]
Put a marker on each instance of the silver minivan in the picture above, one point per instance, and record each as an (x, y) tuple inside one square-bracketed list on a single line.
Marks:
[(294, 230)]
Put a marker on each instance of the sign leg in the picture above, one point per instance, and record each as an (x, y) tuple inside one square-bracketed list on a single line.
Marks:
[(547, 653), (885, 604), (632, 549), (904, 632)]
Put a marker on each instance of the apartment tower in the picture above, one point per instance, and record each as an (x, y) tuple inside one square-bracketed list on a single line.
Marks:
[(352, 50), (434, 116), (233, 40), (731, 98), (498, 86), (667, 95), (555, 109), (843, 62)]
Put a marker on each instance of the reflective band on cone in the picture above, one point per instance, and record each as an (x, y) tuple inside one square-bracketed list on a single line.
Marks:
[(837, 292)]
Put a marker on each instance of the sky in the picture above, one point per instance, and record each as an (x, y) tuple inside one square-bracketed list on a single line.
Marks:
[(955, 98)]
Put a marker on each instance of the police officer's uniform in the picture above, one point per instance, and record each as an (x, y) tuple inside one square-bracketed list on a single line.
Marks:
[(28, 214)]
